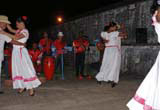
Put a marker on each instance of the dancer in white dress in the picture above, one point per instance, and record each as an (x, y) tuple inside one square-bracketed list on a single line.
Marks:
[(147, 96), (3, 38), (23, 72), (110, 67)]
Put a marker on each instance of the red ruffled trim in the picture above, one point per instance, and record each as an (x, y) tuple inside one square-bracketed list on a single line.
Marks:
[(114, 46), (142, 101), (24, 79)]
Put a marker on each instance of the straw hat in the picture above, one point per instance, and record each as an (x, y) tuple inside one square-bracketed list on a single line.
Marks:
[(4, 19), (60, 34)]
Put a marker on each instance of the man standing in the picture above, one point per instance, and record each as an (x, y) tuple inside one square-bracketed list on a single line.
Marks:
[(80, 45), (3, 38), (59, 44)]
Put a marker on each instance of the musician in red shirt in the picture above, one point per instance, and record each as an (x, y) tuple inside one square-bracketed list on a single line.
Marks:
[(45, 44), (80, 46), (36, 56), (59, 44)]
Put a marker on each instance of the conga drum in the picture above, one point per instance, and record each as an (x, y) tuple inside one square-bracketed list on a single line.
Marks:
[(49, 67)]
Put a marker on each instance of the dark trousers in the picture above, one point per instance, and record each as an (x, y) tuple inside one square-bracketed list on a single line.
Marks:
[(80, 60), (58, 63), (101, 56), (6, 69)]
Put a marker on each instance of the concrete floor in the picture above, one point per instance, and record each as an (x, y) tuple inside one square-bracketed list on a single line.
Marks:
[(72, 95)]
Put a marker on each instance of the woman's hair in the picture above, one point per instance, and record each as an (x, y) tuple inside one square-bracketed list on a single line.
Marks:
[(106, 28), (155, 6), (23, 19), (111, 24)]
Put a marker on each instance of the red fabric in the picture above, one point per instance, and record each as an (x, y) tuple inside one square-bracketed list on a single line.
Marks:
[(24, 79), (49, 67), (34, 54), (8, 51), (59, 44), (78, 45), (143, 102), (46, 45)]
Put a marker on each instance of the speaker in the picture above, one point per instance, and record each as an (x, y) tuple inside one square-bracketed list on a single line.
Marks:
[(141, 35)]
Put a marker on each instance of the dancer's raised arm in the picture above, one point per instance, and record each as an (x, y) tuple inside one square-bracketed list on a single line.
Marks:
[(11, 29)]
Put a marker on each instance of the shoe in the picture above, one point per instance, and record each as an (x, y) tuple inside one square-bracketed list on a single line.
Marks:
[(21, 91), (113, 84), (32, 94), (109, 82), (99, 82), (1, 92)]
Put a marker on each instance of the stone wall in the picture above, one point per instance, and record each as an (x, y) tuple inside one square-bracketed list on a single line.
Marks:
[(136, 59), (134, 16)]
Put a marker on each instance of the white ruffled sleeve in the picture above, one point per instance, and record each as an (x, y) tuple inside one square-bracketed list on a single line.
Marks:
[(26, 34), (104, 35)]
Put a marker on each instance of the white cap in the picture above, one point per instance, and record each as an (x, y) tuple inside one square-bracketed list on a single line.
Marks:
[(60, 34)]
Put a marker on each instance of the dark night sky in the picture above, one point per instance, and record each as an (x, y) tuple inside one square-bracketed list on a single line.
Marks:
[(42, 13)]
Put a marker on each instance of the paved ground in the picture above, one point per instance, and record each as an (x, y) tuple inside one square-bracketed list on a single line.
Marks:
[(72, 95)]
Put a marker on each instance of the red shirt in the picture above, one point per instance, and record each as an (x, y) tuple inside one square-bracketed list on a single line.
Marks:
[(59, 44), (34, 54), (80, 47), (46, 45)]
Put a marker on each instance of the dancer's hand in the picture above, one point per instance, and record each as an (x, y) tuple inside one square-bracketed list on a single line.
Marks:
[(24, 45), (155, 13), (154, 17), (122, 25), (9, 27), (2, 32)]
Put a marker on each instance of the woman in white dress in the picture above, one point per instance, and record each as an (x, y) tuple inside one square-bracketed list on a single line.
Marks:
[(110, 68), (23, 73), (147, 96)]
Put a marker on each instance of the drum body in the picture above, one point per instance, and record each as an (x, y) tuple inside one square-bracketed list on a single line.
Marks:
[(49, 67)]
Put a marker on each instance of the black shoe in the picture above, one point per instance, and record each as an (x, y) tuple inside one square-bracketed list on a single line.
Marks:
[(99, 82), (109, 82), (21, 91), (1, 92), (113, 84)]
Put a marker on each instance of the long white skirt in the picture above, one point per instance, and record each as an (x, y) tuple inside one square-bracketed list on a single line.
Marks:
[(147, 96), (23, 72), (110, 67)]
